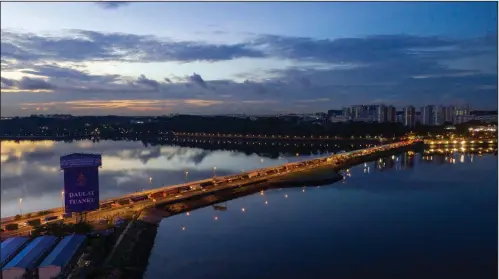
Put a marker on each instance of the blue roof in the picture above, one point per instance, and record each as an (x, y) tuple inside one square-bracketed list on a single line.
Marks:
[(9, 247), (64, 251), (31, 254)]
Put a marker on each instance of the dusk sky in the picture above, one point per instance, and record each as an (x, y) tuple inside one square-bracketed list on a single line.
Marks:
[(253, 58)]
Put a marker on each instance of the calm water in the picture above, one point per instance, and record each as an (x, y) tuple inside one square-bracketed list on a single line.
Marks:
[(30, 170), (431, 220), (414, 218)]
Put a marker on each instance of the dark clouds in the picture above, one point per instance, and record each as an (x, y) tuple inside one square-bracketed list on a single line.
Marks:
[(148, 82), (80, 45), (198, 80), (398, 69), (112, 5), (27, 83)]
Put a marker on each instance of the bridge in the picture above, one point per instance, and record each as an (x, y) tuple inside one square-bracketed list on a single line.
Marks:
[(177, 193)]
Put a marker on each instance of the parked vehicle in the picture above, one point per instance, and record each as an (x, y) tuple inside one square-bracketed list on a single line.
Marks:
[(11, 227), (124, 201), (50, 218), (106, 205), (67, 215), (207, 184), (139, 198), (34, 222)]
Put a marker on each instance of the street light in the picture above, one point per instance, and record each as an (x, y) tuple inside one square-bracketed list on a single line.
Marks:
[(214, 171), (21, 206), (62, 200)]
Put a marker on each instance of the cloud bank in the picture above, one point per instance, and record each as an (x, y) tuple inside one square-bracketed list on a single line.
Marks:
[(394, 69)]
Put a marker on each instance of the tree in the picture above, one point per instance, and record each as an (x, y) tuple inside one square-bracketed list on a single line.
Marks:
[(17, 217)]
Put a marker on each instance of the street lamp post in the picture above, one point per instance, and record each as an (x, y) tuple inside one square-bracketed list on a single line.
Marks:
[(62, 200), (214, 171), (21, 206)]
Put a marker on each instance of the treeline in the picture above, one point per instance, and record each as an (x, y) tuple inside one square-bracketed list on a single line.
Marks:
[(129, 127)]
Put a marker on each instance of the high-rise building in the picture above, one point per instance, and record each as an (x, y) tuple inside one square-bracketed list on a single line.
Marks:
[(463, 110), (381, 114), (409, 116), (437, 115), (426, 115), (358, 112), (391, 114), (450, 114), (371, 113), (347, 113)]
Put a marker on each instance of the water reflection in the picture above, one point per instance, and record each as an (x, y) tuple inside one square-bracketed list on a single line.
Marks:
[(30, 169), (399, 221)]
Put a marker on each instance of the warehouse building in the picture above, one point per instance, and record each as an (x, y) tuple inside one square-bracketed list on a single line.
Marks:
[(25, 263), (10, 247), (61, 257)]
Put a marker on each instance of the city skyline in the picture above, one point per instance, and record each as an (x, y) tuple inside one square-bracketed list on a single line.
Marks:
[(227, 58)]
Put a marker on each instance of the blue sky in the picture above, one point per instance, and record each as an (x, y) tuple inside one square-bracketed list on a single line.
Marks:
[(210, 58)]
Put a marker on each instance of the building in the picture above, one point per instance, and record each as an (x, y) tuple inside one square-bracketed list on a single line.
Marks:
[(485, 116), (10, 247), (409, 116), (426, 115), (338, 119), (381, 116), (25, 263), (463, 110), (391, 114), (61, 257), (347, 112), (450, 114), (371, 113), (358, 112), (463, 118), (437, 117)]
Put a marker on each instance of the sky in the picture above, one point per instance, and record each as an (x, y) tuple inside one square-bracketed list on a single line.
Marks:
[(158, 58)]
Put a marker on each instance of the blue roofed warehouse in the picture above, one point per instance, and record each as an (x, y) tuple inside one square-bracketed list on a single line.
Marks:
[(27, 260), (61, 256), (10, 247)]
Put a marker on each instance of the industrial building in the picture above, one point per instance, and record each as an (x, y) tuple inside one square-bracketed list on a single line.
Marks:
[(25, 263), (61, 257), (10, 247)]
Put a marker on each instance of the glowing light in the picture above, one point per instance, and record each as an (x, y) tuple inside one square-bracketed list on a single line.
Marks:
[(188, 214), (183, 228), (266, 202), (286, 196), (216, 218), (243, 209)]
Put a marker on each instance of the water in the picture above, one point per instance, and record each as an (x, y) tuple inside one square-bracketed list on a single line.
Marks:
[(428, 221), (413, 219), (30, 170)]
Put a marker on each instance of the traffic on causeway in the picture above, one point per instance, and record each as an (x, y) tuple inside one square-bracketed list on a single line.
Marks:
[(134, 202)]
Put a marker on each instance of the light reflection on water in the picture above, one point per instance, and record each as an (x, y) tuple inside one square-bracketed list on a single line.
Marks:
[(405, 214), (417, 218), (30, 170)]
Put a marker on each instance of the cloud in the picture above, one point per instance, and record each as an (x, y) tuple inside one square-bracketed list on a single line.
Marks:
[(27, 83), (112, 5), (82, 45), (198, 80), (148, 82), (55, 71), (398, 69)]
